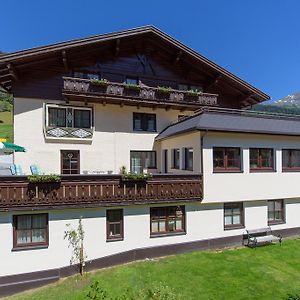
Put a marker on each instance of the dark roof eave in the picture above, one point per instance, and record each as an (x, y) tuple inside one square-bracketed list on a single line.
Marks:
[(4, 59)]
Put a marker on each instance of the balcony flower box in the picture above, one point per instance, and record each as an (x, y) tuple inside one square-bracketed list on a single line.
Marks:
[(98, 86), (132, 90)]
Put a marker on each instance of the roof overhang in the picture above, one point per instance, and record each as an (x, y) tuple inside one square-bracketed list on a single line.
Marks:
[(11, 63)]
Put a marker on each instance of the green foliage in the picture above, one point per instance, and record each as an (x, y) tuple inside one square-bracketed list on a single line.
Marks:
[(76, 239), (6, 101), (44, 178), (137, 177), (155, 292), (290, 110), (123, 170), (101, 82), (96, 292), (164, 89), (293, 297), (131, 86), (131, 176), (193, 93)]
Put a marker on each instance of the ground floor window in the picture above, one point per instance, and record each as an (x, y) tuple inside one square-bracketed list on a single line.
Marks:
[(114, 223), (233, 215), (170, 219), (275, 212), (30, 230)]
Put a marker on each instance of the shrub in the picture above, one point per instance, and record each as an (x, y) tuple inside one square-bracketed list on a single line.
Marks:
[(193, 93), (99, 82), (43, 178), (164, 89), (293, 297), (155, 292), (131, 86), (130, 176)]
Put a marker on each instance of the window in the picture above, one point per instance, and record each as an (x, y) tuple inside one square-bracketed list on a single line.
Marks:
[(176, 159), (132, 80), (82, 118), (144, 122), (261, 159), (57, 117), (30, 230), (141, 160), (275, 212), (291, 160), (233, 215), (189, 155), (70, 162), (170, 219), (187, 87), (92, 76), (69, 117), (114, 224), (226, 159)]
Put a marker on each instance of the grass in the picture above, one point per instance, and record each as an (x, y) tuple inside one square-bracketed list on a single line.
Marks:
[(269, 272), (6, 126)]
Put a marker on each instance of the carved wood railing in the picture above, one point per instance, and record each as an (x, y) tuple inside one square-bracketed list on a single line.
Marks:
[(16, 193), (143, 93)]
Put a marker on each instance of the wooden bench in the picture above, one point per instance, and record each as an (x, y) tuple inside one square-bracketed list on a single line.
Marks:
[(262, 236)]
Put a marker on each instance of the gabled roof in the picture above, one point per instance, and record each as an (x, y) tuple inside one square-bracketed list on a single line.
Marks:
[(227, 120), (9, 62)]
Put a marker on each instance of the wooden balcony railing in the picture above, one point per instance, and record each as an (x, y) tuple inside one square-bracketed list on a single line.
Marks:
[(75, 191), (143, 94)]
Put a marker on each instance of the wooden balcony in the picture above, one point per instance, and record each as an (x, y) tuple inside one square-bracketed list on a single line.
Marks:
[(119, 93), (78, 191)]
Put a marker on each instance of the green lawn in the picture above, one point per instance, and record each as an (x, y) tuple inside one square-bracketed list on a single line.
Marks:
[(269, 272), (6, 126)]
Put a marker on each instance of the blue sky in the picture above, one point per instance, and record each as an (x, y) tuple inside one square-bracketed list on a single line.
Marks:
[(257, 40)]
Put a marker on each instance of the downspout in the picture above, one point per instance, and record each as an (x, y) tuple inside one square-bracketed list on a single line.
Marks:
[(201, 145)]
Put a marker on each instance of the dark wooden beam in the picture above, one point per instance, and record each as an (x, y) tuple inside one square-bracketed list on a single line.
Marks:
[(5, 76), (177, 58), (65, 60), (7, 88), (212, 83), (117, 50), (12, 71)]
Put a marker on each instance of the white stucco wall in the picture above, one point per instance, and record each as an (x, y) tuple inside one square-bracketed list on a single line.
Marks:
[(203, 221), (246, 186), (189, 140), (112, 141)]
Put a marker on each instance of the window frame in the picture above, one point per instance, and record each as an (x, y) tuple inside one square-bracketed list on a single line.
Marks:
[(232, 205), (289, 168), (31, 245), (225, 158), (167, 217), (186, 151), (61, 162), (110, 238), (143, 158), (282, 212), (174, 160), (144, 122), (260, 168), (70, 123)]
